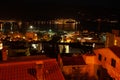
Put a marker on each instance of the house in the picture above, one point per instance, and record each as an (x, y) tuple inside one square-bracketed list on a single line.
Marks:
[(72, 67), (78, 67), (109, 58), (30, 68)]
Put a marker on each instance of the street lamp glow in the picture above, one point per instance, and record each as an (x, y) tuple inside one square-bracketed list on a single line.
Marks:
[(31, 27)]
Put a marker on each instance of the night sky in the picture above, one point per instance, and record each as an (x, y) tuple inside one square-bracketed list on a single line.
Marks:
[(102, 3), (106, 3), (59, 8)]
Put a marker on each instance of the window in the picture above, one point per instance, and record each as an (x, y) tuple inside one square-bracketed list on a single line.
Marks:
[(105, 59), (113, 62), (99, 57)]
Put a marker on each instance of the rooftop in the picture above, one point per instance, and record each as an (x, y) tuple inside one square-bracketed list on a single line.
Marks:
[(116, 50), (30, 68), (73, 60), (24, 59)]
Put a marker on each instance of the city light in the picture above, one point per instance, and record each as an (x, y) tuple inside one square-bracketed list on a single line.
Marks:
[(31, 27), (1, 45), (81, 41)]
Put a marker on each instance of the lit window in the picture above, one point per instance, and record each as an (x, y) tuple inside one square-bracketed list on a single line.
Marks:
[(99, 57), (115, 42), (1, 45)]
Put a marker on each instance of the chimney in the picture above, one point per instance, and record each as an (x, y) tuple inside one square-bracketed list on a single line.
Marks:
[(39, 70), (60, 61)]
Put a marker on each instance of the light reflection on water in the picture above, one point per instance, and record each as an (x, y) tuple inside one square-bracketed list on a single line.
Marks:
[(66, 27)]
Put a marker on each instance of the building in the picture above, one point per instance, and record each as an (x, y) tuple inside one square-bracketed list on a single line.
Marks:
[(10, 25), (117, 37), (109, 58), (30, 68), (72, 67), (113, 39), (117, 41), (109, 39), (79, 67), (66, 24)]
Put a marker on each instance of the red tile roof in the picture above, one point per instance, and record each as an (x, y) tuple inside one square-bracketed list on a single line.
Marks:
[(16, 72), (115, 50), (73, 60), (52, 71), (30, 69)]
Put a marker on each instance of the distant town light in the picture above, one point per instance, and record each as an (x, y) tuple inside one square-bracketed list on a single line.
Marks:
[(24, 37), (50, 30), (114, 21), (31, 27), (34, 46), (88, 38), (35, 34), (115, 42), (67, 48), (93, 45), (1, 45), (68, 40)]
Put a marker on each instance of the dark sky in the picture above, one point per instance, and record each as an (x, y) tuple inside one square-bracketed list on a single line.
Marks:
[(24, 8), (55, 3), (107, 3)]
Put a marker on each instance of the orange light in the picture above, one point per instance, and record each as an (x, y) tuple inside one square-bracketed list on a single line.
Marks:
[(1, 45), (115, 42)]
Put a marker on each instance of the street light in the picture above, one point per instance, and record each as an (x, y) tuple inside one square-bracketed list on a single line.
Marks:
[(31, 27)]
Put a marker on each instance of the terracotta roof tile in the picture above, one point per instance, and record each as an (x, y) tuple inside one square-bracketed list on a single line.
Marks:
[(28, 70)]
